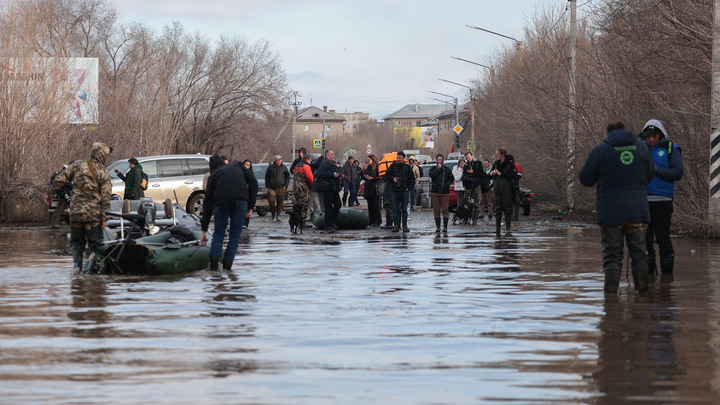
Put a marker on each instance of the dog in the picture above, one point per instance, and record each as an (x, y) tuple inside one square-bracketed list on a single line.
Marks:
[(296, 220)]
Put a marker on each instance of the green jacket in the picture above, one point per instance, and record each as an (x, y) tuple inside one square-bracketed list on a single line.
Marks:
[(133, 189)]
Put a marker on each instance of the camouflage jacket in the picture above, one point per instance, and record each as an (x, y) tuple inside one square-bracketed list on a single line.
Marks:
[(91, 198)]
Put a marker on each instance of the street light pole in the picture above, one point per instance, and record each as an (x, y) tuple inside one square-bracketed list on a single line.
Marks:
[(457, 120), (472, 112), (518, 44), (492, 92)]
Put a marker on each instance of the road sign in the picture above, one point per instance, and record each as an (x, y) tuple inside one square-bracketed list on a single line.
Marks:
[(317, 143), (458, 129), (471, 145), (369, 151)]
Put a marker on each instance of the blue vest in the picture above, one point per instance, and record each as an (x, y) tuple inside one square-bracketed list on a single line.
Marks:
[(661, 157)]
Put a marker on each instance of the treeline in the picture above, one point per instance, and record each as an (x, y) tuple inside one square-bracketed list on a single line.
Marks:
[(159, 93), (636, 60)]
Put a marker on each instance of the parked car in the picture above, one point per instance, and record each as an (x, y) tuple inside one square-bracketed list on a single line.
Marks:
[(177, 177), (261, 204)]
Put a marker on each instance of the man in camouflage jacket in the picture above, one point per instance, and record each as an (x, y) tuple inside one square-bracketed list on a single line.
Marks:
[(90, 201)]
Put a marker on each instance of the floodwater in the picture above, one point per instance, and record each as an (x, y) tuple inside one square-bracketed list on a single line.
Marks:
[(365, 317)]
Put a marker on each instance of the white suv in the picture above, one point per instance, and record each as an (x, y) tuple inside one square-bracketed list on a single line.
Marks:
[(177, 177)]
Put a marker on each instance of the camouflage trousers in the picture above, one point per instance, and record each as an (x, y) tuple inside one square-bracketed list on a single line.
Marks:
[(302, 194)]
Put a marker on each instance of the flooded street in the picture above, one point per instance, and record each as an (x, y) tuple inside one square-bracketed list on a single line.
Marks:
[(362, 317)]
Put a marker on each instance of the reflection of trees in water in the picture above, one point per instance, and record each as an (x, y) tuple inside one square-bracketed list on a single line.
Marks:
[(89, 300), (636, 354)]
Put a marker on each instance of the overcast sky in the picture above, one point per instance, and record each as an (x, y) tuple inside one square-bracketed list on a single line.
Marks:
[(373, 56)]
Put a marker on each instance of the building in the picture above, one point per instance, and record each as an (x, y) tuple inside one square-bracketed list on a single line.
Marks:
[(310, 120), (413, 115), (353, 121)]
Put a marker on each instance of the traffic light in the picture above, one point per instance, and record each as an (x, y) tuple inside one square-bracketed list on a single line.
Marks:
[(323, 144), (457, 141)]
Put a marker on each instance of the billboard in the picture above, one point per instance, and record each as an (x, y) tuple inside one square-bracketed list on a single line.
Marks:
[(66, 86), (423, 137)]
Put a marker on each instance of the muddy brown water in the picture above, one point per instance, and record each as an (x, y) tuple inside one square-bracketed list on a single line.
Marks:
[(362, 317)]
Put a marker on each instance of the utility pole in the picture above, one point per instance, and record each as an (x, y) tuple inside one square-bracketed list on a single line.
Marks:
[(570, 181), (714, 202), (295, 111)]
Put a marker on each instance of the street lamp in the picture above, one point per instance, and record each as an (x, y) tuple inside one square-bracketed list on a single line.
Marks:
[(472, 111), (492, 90), (518, 44), (457, 119)]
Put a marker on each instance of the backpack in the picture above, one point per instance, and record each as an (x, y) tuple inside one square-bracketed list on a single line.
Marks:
[(145, 180)]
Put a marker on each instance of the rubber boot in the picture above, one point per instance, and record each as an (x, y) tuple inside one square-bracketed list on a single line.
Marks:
[(388, 220), (437, 225), (474, 218), (612, 281), (640, 280), (652, 265), (507, 227), (344, 200), (498, 224), (214, 263), (227, 264), (667, 265), (445, 223)]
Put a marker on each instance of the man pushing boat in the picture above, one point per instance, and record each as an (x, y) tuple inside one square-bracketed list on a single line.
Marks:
[(230, 195)]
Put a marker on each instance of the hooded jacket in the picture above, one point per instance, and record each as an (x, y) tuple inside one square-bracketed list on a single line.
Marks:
[(668, 165), (621, 168), (92, 189), (228, 182)]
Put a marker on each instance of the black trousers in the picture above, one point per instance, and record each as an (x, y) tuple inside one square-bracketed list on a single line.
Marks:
[(332, 203), (659, 230), (503, 197), (374, 209)]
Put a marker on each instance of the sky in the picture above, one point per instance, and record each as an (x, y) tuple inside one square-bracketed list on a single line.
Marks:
[(373, 56)]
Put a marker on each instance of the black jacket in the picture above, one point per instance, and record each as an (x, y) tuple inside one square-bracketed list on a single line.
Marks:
[(277, 176), (405, 175), (227, 183), (440, 179), (476, 178), (621, 167)]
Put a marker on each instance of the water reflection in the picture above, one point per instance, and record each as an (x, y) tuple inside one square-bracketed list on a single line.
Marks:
[(460, 318), (637, 357), (89, 299)]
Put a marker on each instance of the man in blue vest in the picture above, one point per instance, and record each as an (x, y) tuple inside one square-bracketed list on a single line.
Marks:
[(668, 169)]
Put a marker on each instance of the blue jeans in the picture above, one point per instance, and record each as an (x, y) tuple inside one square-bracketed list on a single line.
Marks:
[(400, 207), (233, 210), (412, 196)]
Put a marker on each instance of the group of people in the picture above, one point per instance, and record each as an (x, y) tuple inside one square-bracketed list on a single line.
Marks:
[(635, 179)]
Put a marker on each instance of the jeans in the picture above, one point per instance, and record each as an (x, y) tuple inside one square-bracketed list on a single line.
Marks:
[(412, 196), (233, 210), (400, 207)]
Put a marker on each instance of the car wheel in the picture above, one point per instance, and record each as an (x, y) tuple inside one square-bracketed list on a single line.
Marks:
[(261, 211), (526, 208), (195, 204)]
